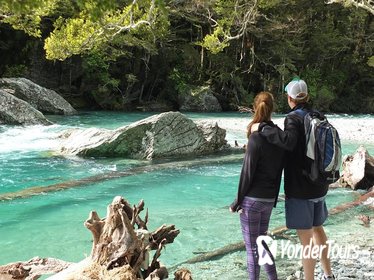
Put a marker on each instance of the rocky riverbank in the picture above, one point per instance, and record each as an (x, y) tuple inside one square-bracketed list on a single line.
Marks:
[(350, 129), (359, 265)]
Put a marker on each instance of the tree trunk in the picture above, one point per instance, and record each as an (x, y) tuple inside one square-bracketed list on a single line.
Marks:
[(146, 59), (358, 170), (348, 205)]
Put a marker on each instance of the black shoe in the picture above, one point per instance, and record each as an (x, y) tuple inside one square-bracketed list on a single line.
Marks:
[(328, 277)]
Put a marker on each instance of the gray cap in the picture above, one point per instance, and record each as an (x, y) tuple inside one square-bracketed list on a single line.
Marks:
[(297, 89)]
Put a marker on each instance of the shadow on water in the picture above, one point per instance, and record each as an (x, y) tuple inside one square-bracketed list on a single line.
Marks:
[(152, 166), (47, 209)]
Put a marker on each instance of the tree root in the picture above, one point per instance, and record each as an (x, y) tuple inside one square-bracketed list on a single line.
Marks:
[(119, 251)]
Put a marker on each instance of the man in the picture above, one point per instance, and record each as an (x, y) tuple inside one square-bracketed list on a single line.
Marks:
[(305, 205)]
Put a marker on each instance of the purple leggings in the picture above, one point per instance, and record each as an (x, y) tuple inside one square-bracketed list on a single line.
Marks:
[(255, 222)]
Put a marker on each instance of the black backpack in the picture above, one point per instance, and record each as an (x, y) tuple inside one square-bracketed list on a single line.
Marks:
[(322, 147)]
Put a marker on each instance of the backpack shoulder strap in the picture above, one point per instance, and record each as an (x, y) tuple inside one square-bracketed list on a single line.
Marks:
[(307, 117), (300, 112), (317, 114)]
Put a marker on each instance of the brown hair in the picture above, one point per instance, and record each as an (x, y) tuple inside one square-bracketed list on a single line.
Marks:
[(263, 106), (304, 98)]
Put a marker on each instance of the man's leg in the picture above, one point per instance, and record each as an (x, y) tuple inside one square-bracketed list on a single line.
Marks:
[(305, 235), (301, 215), (320, 238)]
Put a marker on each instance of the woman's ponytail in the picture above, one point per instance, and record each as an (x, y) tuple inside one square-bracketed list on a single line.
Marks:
[(263, 106)]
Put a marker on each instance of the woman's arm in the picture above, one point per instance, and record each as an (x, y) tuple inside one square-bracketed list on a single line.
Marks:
[(246, 176)]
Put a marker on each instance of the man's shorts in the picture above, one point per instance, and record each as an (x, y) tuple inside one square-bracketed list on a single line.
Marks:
[(305, 213)]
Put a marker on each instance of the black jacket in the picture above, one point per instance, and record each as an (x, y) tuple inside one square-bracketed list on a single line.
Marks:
[(262, 168), (296, 184)]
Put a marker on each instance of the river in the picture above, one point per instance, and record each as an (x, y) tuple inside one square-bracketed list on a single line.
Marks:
[(194, 198)]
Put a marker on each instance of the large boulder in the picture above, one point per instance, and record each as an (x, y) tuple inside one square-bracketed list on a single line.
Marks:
[(169, 134), (213, 134), (16, 111), (358, 170), (42, 99), (200, 99)]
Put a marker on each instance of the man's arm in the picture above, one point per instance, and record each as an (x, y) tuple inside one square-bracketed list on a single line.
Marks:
[(286, 139)]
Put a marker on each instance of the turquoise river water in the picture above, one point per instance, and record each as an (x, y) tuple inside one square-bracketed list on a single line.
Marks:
[(194, 198)]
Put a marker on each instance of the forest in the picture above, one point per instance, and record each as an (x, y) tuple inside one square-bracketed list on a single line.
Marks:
[(149, 54)]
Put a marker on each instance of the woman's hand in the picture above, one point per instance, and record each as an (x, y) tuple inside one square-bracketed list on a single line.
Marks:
[(240, 210)]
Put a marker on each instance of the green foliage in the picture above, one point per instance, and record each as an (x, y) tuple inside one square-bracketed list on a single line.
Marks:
[(82, 26), (180, 81), (139, 24), (96, 68), (12, 71), (23, 6), (268, 4), (371, 61), (231, 19), (145, 50), (247, 99), (215, 42), (26, 15), (325, 97), (68, 39), (369, 105)]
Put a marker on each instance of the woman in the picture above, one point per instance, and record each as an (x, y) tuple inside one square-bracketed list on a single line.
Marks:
[(259, 184)]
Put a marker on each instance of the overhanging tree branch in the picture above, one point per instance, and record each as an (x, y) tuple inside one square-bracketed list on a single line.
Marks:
[(248, 18), (367, 5), (84, 33)]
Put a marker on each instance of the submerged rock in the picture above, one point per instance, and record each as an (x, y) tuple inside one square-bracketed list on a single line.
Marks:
[(42, 99), (16, 111), (358, 170), (169, 134)]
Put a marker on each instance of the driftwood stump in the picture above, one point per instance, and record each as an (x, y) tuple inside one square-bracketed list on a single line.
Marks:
[(358, 170), (119, 250), (183, 274)]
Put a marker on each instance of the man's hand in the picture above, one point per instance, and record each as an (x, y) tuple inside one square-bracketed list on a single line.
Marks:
[(255, 127)]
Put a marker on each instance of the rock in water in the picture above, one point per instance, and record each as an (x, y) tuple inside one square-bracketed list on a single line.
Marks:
[(42, 99), (358, 170), (200, 99), (16, 111), (169, 134)]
